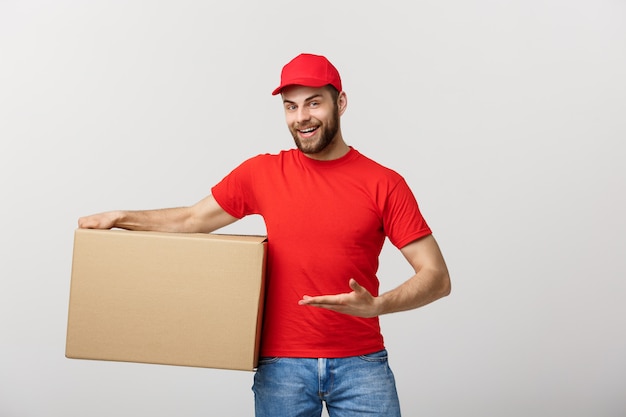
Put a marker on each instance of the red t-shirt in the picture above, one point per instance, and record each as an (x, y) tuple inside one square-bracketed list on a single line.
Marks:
[(326, 222)]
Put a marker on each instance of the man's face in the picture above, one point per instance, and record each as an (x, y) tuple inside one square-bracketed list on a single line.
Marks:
[(312, 117)]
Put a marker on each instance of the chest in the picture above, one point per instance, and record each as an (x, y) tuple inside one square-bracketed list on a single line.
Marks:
[(336, 208)]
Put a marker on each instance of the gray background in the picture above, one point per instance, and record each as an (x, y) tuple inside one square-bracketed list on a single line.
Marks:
[(506, 118)]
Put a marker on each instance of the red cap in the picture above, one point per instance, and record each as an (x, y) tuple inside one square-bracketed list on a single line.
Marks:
[(310, 71)]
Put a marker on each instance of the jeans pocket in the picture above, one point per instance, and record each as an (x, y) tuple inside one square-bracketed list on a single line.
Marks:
[(380, 356), (268, 360)]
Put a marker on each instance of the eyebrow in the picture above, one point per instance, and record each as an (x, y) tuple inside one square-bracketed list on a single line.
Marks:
[(314, 96)]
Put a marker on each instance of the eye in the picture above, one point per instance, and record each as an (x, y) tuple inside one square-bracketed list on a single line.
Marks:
[(314, 104), (290, 107)]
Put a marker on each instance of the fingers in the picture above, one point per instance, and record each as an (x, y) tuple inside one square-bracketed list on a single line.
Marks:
[(89, 222), (359, 302), (96, 221), (355, 286), (85, 223), (320, 300), (335, 299)]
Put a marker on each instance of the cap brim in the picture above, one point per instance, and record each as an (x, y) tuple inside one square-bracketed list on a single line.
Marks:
[(305, 82)]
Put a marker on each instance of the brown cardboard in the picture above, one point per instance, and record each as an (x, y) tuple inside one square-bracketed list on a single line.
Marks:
[(166, 298)]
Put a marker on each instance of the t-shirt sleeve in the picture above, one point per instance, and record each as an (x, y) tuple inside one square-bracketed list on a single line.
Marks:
[(235, 192), (402, 218)]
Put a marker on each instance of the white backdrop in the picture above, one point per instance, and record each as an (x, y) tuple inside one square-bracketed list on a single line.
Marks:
[(506, 118)]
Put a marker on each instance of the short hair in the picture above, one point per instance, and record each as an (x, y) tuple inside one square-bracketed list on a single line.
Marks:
[(334, 93)]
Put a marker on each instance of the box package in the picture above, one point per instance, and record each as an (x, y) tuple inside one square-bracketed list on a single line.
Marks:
[(166, 298)]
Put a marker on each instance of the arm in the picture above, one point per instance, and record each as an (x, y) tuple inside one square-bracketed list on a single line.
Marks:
[(429, 283), (203, 217)]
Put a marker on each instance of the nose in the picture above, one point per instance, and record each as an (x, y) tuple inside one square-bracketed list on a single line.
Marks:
[(303, 114)]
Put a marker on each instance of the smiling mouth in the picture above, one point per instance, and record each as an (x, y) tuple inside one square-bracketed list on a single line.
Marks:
[(308, 130)]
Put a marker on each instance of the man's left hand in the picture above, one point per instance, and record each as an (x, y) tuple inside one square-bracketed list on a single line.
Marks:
[(360, 302)]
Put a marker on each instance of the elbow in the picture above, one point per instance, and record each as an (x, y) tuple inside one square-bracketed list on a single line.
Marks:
[(445, 284)]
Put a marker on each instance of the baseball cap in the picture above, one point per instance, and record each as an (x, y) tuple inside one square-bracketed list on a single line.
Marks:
[(309, 70)]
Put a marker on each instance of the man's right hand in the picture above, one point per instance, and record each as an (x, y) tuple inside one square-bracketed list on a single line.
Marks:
[(104, 220)]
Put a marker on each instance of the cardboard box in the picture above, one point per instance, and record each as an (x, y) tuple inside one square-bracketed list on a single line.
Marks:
[(166, 298)]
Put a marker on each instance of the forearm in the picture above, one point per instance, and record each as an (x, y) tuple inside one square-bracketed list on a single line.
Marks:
[(160, 220), (164, 220), (203, 217), (421, 289)]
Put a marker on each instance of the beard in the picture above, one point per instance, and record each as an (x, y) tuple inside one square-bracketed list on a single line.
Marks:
[(326, 134)]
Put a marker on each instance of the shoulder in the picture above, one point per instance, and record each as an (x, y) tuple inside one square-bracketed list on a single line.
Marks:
[(268, 159), (288, 154), (375, 168)]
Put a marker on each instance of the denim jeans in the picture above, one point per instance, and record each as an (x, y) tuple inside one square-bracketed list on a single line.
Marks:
[(350, 387)]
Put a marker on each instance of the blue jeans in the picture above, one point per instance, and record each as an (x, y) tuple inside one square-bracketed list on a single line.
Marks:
[(350, 387)]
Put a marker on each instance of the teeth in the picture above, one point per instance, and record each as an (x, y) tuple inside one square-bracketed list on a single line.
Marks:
[(308, 130)]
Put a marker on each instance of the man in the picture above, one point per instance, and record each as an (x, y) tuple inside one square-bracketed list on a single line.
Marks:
[(328, 210)]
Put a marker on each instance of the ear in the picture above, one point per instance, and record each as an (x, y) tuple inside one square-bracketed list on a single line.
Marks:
[(342, 102)]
